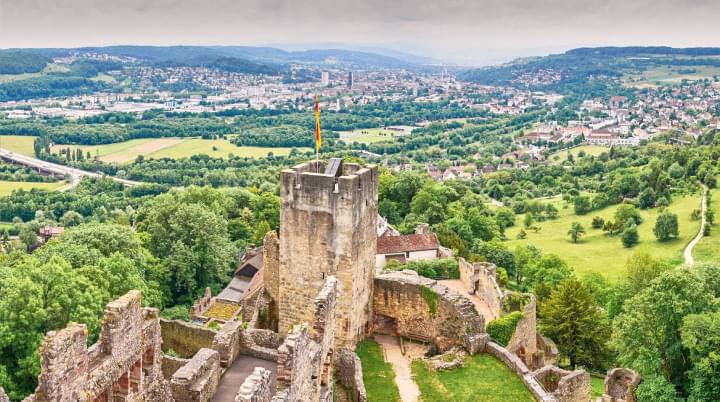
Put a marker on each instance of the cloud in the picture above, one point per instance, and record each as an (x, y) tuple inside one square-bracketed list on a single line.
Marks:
[(451, 28)]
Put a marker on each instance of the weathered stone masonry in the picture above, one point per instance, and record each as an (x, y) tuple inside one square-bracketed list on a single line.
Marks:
[(328, 224)]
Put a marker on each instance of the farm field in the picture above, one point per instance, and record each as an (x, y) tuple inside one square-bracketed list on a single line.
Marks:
[(597, 252), (50, 68), (371, 135), (707, 249), (482, 378), (7, 187), (377, 374), (562, 156), (19, 144), (127, 151), (669, 75)]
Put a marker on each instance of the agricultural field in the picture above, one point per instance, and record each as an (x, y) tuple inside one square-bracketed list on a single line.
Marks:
[(127, 151), (19, 144), (7, 187), (561, 156), (482, 378), (670, 75), (597, 252), (377, 374), (371, 135), (707, 249)]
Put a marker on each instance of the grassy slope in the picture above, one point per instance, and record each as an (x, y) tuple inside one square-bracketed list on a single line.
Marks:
[(668, 75), (20, 144), (7, 187), (594, 150), (367, 135), (482, 378), (597, 387), (196, 146), (597, 252), (50, 68), (709, 247), (377, 374)]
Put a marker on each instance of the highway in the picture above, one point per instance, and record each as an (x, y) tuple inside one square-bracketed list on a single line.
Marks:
[(75, 174)]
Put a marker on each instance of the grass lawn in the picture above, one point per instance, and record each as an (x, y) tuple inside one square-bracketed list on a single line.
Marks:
[(377, 374), (597, 252), (217, 148), (562, 156), (482, 378), (708, 250), (7, 187), (371, 135), (597, 387), (19, 144), (124, 151)]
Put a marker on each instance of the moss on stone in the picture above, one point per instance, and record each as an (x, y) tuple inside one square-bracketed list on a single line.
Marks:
[(431, 298)]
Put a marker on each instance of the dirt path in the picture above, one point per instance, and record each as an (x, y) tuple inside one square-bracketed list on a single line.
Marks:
[(689, 260), (409, 391), (480, 305), (236, 375)]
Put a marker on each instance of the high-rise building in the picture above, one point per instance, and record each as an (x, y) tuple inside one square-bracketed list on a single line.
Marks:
[(350, 79), (325, 78)]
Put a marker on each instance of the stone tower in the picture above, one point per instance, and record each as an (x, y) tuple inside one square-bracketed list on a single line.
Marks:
[(328, 223)]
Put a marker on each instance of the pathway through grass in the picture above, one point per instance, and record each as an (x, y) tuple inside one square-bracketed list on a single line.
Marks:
[(377, 374)]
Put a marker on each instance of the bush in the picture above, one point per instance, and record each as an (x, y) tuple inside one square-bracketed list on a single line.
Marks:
[(446, 268), (179, 312), (630, 236), (598, 222), (502, 329)]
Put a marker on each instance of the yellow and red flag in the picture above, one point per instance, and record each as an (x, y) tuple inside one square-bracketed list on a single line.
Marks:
[(318, 137)]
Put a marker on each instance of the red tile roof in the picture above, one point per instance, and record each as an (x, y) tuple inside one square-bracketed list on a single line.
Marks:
[(406, 243)]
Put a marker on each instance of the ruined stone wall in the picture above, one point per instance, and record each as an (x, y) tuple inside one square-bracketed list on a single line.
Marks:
[(481, 280), (327, 228), (524, 340), (305, 357), (197, 380), (620, 385), (185, 338), (256, 387), (227, 342), (3, 396), (271, 265), (348, 373), (520, 369), (201, 304), (125, 363), (171, 364), (566, 386), (410, 305)]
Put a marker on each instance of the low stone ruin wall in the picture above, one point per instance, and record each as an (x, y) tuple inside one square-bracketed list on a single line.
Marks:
[(524, 340), (185, 338), (566, 386), (256, 388), (197, 380), (171, 364), (518, 367), (409, 305), (349, 377), (620, 385)]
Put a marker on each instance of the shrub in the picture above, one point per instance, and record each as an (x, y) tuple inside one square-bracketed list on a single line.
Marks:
[(598, 222), (179, 312), (630, 236), (502, 329), (446, 268)]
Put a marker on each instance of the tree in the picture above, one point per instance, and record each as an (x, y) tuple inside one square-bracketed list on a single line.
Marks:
[(666, 226), (71, 218), (582, 205), (656, 389), (630, 236), (701, 336), (580, 328), (546, 273), (598, 222), (647, 198), (28, 237), (627, 213), (528, 220), (576, 231), (646, 335)]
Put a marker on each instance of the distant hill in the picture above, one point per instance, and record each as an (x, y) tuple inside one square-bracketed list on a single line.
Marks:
[(236, 58), (19, 62), (587, 67)]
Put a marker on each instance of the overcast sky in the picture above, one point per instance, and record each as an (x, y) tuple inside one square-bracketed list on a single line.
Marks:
[(448, 29)]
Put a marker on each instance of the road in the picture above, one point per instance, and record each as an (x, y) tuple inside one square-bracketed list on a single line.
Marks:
[(689, 260), (75, 174)]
